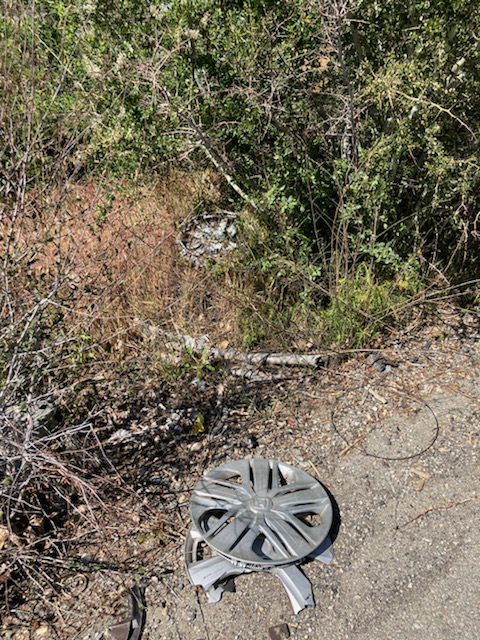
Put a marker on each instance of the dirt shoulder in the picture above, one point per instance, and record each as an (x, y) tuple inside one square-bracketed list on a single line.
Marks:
[(397, 448)]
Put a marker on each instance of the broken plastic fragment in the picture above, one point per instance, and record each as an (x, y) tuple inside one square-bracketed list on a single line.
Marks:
[(131, 628), (324, 553), (297, 586), (279, 632)]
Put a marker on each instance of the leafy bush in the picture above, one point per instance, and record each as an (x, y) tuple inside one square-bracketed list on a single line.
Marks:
[(351, 125)]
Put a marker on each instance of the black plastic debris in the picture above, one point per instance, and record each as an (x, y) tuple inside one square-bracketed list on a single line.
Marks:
[(131, 629), (279, 632), (379, 362)]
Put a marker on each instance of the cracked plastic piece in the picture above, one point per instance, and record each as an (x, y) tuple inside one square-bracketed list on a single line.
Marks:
[(131, 628), (214, 594), (297, 586), (215, 575), (201, 571), (212, 571), (324, 553)]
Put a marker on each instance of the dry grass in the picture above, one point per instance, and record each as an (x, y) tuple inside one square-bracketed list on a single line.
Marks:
[(115, 249)]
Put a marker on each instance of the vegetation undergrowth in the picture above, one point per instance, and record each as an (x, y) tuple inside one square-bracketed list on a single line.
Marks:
[(337, 141)]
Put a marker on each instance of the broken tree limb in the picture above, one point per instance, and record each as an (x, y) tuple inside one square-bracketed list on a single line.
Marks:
[(208, 148), (269, 359), (255, 375), (199, 346)]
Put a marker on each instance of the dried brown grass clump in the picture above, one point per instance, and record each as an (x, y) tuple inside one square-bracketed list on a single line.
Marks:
[(114, 248)]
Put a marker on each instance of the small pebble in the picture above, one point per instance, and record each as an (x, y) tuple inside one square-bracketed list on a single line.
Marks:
[(43, 631)]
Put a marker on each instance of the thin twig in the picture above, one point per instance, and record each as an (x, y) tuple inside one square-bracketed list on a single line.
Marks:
[(441, 507)]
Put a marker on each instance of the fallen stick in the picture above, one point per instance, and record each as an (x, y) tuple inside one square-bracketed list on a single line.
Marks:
[(352, 445), (269, 359), (200, 346), (376, 395), (441, 507)]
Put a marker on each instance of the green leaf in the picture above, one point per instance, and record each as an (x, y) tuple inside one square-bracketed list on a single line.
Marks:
[(199, 424)]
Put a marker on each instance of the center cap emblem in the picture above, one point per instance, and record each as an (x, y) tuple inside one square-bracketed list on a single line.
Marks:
[(261, 504)]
